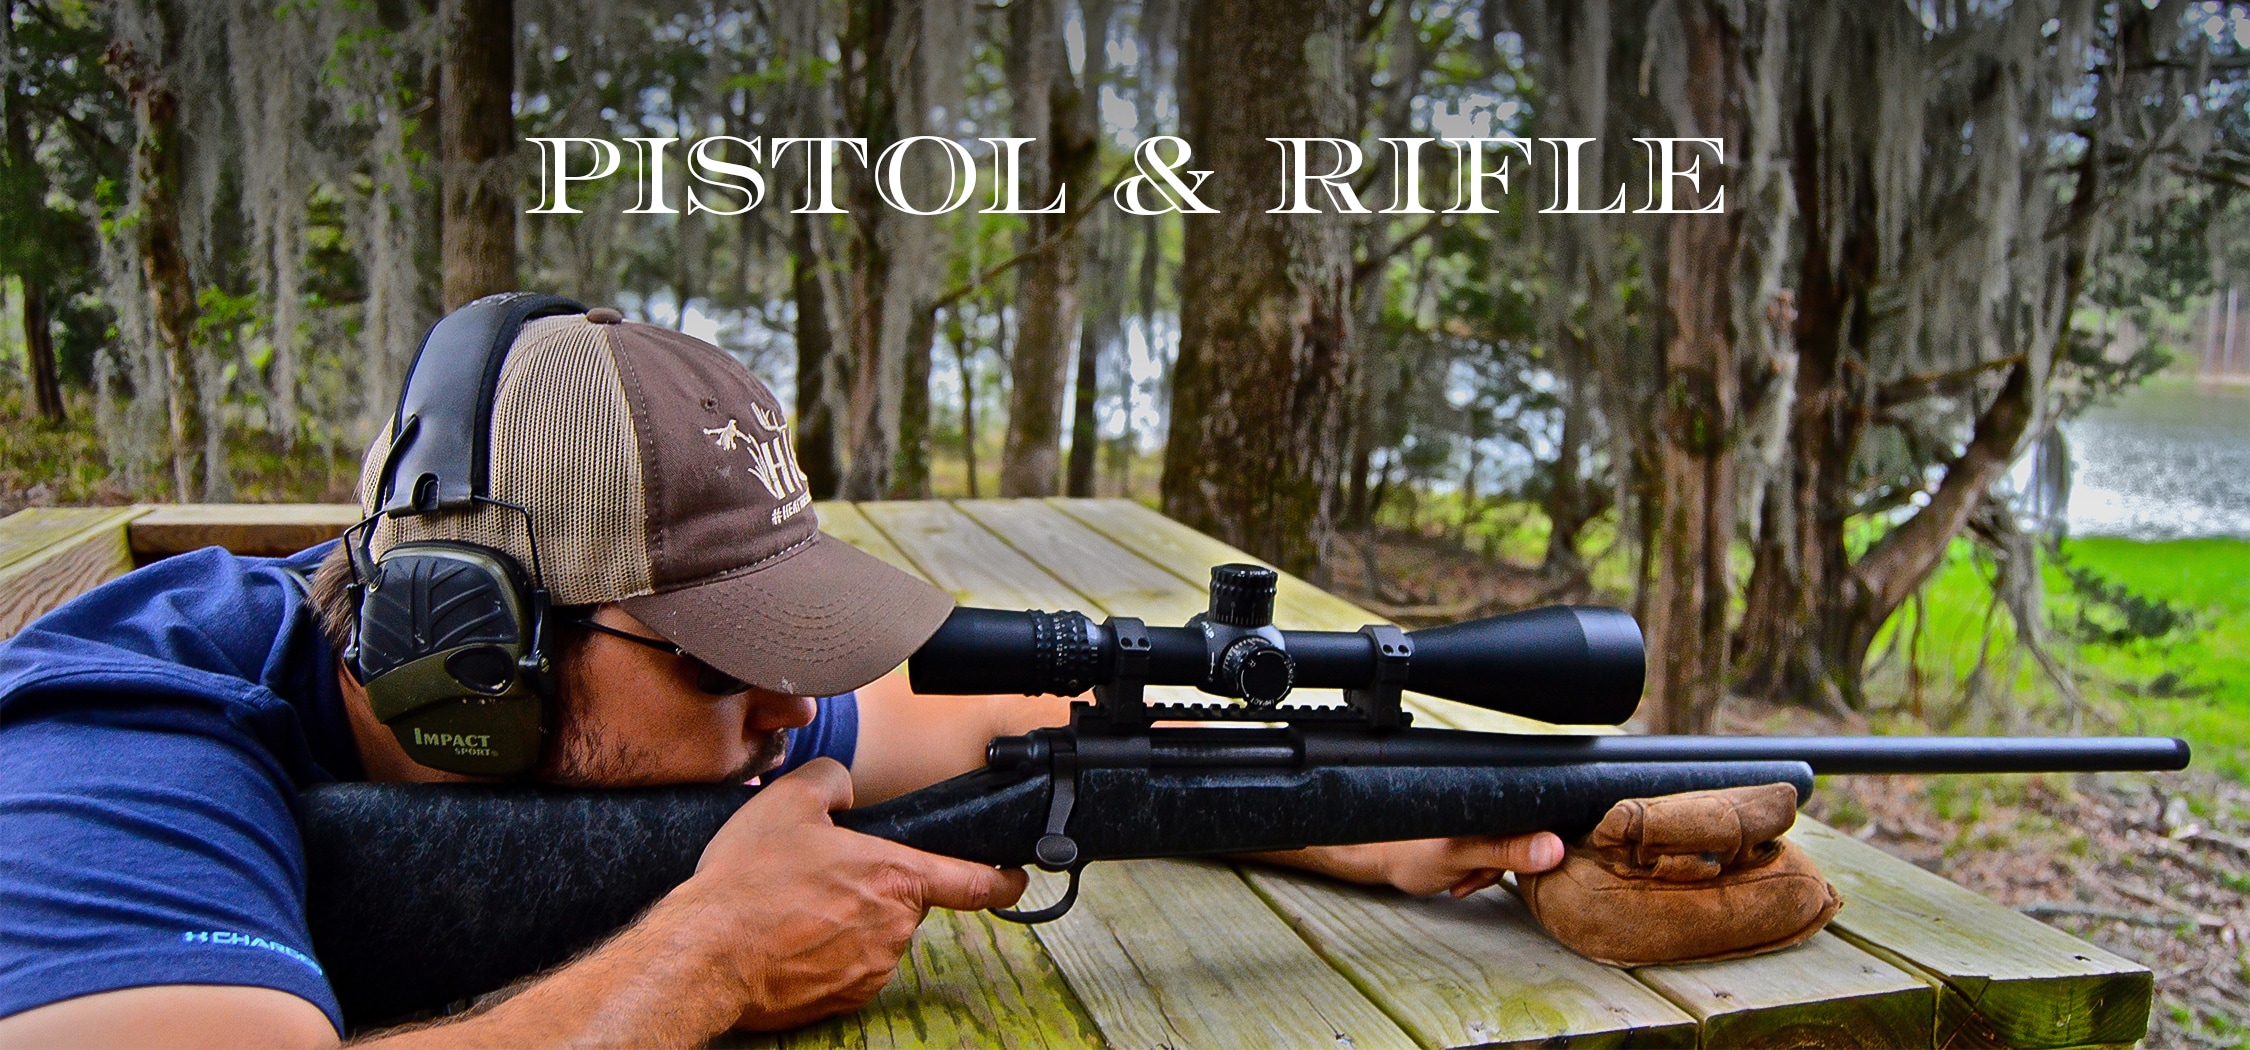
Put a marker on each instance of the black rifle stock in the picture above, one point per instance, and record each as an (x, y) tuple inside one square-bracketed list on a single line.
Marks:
[(480, 885)]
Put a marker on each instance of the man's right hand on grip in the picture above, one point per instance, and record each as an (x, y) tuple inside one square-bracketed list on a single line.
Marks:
[(812, 919)]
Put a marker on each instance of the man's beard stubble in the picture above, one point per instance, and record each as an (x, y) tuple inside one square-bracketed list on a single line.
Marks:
[(580, 753)]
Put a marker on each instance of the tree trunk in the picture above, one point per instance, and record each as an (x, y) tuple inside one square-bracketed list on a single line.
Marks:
[(164, 263), (1569, 503), (477, 143), (817, 453), (1898, 564), (39, 348), (910, 474), (906, 63), (1256, 438), (1687, 628), (1098, 274), (38, 335), (1092, 335), (964, 357), (1799, 600), (1049, 107), (1812, 613)]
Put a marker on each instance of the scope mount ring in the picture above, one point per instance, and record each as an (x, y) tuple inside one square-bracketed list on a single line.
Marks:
[(1380, 700), (1120, 698)]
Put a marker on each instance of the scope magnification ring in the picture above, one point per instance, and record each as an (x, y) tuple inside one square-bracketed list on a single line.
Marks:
[(1064, 649)]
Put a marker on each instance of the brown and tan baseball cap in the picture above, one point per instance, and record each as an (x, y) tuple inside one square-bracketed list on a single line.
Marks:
[(659, 474)]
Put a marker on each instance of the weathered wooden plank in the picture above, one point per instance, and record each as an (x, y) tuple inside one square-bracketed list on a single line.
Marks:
[(49, 555), (34, 529), (1122, 582), (1178, 953), (1823, 992), (2003, 979), (1471, 972), (1190, 555), (268, 530), (968, 981), (1166, 953), (845, 522), (967, 560)]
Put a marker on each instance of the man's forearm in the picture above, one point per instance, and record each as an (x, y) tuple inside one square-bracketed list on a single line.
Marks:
[(653, 984), (908, 741)]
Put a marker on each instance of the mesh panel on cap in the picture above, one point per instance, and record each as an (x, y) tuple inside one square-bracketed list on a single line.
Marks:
[(563, 446)]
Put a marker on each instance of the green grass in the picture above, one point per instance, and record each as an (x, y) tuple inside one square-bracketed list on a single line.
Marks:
[(2194, 681), (2189, 678)]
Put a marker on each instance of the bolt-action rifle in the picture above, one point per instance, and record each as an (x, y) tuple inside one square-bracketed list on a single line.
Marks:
[(482, 884)]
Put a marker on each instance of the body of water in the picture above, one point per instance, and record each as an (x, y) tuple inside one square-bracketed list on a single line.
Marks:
[(2168, 461)]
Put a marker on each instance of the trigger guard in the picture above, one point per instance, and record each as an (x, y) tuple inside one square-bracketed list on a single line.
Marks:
[(1049, 913)]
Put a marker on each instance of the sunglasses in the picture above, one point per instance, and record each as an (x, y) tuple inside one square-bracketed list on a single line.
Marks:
[(708, 679)]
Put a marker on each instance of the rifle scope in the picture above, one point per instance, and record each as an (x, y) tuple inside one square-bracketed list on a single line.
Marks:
[(1572, 664)]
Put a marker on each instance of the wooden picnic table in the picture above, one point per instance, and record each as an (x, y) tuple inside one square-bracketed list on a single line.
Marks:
[(1177, 953)]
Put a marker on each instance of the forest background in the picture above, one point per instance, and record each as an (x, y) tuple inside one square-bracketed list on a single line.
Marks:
[(1788, 436)]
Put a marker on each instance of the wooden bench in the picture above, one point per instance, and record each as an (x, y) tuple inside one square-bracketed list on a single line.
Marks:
[(1202, 954)]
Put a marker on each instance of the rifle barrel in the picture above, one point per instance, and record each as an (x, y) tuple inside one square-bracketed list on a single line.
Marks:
[(1213, 747), (1826, 755)]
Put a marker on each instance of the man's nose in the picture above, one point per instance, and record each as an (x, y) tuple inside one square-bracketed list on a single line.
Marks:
[(771, 711)]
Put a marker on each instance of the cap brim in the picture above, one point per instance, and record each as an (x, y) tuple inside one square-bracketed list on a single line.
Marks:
[(824, 620)]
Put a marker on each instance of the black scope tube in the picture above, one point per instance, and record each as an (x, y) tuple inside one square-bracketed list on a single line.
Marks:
[(1568, 664)]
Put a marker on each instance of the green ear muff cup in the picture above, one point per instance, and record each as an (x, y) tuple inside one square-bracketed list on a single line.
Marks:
[(443, 630)]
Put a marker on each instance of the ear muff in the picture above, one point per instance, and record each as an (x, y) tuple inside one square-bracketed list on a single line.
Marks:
[(449, 650), (451, 638)]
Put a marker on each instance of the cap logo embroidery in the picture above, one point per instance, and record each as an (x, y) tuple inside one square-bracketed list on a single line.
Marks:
[(772, 461), (728, 435)]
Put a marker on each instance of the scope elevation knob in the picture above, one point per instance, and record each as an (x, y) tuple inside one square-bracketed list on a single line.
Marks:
[(1242, 595)]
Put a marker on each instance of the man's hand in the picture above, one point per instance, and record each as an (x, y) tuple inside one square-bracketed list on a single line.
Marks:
[(1424, 866), (788, 919), (815, 918)]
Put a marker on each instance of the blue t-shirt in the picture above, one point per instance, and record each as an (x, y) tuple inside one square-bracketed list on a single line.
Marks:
[(154, 733)]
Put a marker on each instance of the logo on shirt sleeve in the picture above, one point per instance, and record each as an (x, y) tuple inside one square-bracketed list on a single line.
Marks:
[(229, 938)]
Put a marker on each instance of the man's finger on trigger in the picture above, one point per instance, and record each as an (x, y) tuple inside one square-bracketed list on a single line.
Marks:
[(824, 780), (968, 886)]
